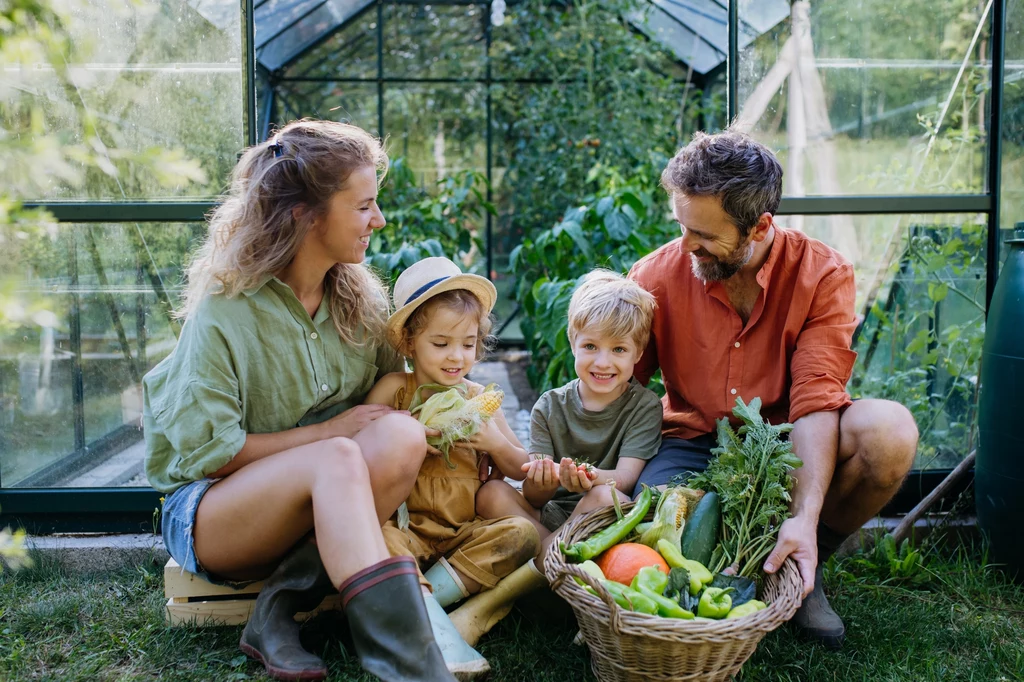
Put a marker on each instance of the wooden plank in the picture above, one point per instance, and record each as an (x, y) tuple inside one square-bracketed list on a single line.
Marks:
[(204, 613), (184, 584)]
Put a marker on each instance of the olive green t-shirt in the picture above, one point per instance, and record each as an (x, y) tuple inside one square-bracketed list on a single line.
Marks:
[(629, 427), (253, 363)]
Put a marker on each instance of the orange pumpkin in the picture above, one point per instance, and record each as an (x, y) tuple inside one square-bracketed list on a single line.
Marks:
[(622, 562)]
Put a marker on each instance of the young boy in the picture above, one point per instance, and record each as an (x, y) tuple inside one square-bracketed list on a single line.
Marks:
[(599, 428)]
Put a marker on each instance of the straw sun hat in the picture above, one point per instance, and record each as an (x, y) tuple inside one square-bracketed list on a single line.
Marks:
[(428, 278)]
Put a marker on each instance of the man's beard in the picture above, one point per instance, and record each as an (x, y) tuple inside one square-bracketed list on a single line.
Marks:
[(718, 269)]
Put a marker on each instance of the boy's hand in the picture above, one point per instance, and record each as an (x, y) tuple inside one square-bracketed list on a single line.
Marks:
[(542, 475), (574, 478)]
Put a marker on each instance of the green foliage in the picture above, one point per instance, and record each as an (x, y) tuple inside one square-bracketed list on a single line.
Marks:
[(613, 97), (421, 223), (624, 218), (922, 346), (751, 476), (893, 565)]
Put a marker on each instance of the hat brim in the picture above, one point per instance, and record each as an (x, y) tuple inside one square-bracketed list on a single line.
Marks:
[(481, 287)]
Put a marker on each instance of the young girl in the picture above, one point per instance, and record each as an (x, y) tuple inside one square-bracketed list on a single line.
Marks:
[(440, 324)]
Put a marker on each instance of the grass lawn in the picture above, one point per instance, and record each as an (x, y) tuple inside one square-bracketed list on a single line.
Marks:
[(957, 619)]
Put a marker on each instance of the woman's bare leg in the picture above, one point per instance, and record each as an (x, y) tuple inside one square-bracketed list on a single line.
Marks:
[(247, 521)]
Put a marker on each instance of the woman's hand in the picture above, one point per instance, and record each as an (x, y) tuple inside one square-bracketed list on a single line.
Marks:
[(355, 419), (573, 477)]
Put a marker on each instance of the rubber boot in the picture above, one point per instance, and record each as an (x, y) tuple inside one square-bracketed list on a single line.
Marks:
[(462, 660), (389, 623), (272, 636), (816, 620), (482, 612)]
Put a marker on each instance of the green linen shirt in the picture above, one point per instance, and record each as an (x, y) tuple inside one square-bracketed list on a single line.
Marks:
[(253, 363)]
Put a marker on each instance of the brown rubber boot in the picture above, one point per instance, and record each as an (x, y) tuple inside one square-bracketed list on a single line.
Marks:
[(389, 623), (816, 620), (271, 636)]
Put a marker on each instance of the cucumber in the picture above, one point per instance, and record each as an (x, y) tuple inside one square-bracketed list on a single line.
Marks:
[(701, 533)]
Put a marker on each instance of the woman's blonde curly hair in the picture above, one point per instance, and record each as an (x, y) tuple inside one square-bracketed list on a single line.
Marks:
[(278, 190)]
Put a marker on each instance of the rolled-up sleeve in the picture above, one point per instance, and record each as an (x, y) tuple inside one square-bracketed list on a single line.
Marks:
[(823, 361), (202, 424)]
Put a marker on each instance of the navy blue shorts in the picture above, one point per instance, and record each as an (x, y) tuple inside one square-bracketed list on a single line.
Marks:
[(677, 457)]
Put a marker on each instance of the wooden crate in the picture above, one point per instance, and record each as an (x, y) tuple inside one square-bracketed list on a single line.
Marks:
[(194, 601)]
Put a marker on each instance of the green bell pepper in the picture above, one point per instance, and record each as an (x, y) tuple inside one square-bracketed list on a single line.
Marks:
[(715, 603), (699, 574), (745, 609), (666, 607), (594, 545), (651, 578), (630, 599)]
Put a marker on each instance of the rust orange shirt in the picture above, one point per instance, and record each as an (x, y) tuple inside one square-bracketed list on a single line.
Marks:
[(794, 351)]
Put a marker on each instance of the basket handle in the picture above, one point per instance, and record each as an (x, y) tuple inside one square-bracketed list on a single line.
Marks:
[(572, 571)]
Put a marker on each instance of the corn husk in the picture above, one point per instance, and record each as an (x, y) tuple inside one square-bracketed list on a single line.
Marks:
[(452, 413), (674, 507)]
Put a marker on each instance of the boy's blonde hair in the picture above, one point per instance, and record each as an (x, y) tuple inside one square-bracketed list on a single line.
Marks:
[(608, 304)]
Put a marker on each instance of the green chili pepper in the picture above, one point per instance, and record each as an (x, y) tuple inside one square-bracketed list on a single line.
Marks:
[(715, 602), (747, 608), (666, 607), (651, 578), (630, 599), (594, 545), (699, 574)]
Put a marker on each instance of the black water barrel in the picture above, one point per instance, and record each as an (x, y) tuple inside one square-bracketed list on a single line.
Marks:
[(999, 469)]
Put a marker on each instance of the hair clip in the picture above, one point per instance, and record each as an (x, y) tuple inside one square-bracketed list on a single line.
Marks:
[(275, 144)]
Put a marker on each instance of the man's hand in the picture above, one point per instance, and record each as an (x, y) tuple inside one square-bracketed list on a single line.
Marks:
[(798, 537)]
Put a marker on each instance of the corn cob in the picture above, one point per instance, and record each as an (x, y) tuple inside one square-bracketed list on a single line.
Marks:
[(449, 412)]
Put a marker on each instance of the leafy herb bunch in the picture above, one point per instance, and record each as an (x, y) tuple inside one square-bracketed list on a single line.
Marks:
[(751, 475)]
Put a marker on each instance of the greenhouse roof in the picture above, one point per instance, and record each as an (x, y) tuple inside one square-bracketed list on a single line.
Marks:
[(695, 31)]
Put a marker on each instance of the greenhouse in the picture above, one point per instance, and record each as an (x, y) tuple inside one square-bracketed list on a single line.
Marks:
[(526, 142)]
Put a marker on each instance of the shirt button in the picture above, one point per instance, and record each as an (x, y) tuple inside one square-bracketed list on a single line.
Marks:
[(733, 391), (313, 336), (737, 344), (323, 387)]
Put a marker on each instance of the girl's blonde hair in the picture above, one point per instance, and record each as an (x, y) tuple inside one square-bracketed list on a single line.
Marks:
[(278, 190), (459, 301), (613, 307)]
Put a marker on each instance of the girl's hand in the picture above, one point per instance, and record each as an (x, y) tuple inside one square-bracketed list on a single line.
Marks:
[(489, 438), (573, 477), (487, 470), (355, 419), (432, 433), (542, 475)]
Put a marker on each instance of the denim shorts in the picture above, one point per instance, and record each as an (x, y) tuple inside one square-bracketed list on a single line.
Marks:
[(676, 457), (177, 521)]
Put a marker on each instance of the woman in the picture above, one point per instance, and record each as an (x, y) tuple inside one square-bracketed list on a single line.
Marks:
[(254, 424)]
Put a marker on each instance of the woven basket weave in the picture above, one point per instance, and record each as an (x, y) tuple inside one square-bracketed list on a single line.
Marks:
[(635, 647)]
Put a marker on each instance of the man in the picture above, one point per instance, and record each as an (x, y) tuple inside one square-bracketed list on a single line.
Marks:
[(748, 309)]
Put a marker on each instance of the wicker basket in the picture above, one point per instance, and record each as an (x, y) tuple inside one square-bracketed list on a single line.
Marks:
[(635, 647)]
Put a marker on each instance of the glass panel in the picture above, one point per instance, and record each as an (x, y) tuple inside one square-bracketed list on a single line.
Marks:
[(434, 41), (155, 81), (921, 303), (1012, 180), (87, 313), (349, 53), (283, 41), (870, 98), (354, 103), (439, 129)]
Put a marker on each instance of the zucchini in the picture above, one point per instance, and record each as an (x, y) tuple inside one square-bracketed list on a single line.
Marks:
[(701, 533)]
